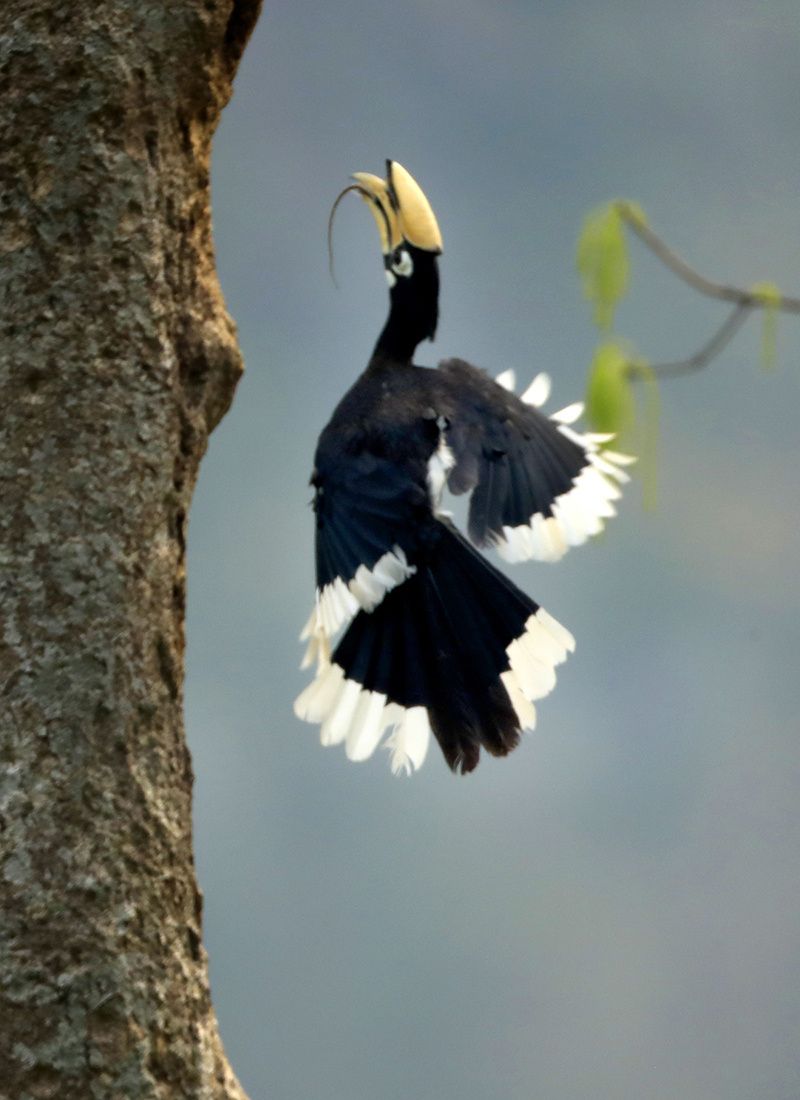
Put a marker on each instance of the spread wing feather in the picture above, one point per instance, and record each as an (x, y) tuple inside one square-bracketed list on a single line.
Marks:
[(538, 487), (367, 515)]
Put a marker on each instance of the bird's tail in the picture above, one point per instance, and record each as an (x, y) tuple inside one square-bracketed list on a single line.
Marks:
[(457, 649)]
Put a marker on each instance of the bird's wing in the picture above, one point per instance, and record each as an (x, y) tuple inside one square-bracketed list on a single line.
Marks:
[(369, 512), (538, 486)]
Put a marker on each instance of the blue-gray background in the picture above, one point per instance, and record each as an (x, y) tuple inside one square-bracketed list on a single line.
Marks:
[(611, 913)]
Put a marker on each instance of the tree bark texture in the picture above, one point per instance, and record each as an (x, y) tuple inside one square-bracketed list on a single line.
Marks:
[(117, 359)]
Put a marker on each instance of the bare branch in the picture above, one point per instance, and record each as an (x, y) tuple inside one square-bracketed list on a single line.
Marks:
[(720, 340), (748, 299)]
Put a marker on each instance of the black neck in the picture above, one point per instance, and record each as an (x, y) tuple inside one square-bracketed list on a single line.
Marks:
[(413, 310)]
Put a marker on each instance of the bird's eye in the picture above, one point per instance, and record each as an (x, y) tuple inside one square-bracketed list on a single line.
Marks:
[(402, 264)]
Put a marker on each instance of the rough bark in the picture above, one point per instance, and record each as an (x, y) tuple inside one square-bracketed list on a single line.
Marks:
[(117, 358)]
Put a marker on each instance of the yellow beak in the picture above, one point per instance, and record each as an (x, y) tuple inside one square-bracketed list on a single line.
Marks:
[(400, 208)]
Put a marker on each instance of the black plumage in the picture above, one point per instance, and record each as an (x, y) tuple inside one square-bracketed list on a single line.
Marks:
[(438, 641), (436, 638)]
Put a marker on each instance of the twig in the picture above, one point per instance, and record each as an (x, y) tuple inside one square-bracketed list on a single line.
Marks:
[(746, 298), (721, 338)]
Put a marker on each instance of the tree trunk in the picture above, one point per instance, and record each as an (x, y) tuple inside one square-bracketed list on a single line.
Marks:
[(117, 359)]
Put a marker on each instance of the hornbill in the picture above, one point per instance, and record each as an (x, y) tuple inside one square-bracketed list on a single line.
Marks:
[(437, 639)]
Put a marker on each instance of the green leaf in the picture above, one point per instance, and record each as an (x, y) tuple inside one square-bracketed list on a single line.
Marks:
[(770, 296), (610, 404), (602, 260)]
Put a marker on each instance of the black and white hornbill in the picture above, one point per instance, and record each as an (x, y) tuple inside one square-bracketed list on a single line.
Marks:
[(436, 638)]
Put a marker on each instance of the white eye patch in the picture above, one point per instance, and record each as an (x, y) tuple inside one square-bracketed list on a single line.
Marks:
[(403, 265)]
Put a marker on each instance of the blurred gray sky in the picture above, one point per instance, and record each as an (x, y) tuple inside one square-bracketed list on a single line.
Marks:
[(612, 912)]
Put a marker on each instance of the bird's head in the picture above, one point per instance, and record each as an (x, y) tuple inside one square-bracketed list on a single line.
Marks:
[(410, 242), (404, 218)]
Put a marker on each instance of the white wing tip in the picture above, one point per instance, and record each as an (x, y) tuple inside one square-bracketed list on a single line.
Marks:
[(569, 414), (554, 627), (538, 391), (532, 658), (619, 459), (350, 713), (408, 742)]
